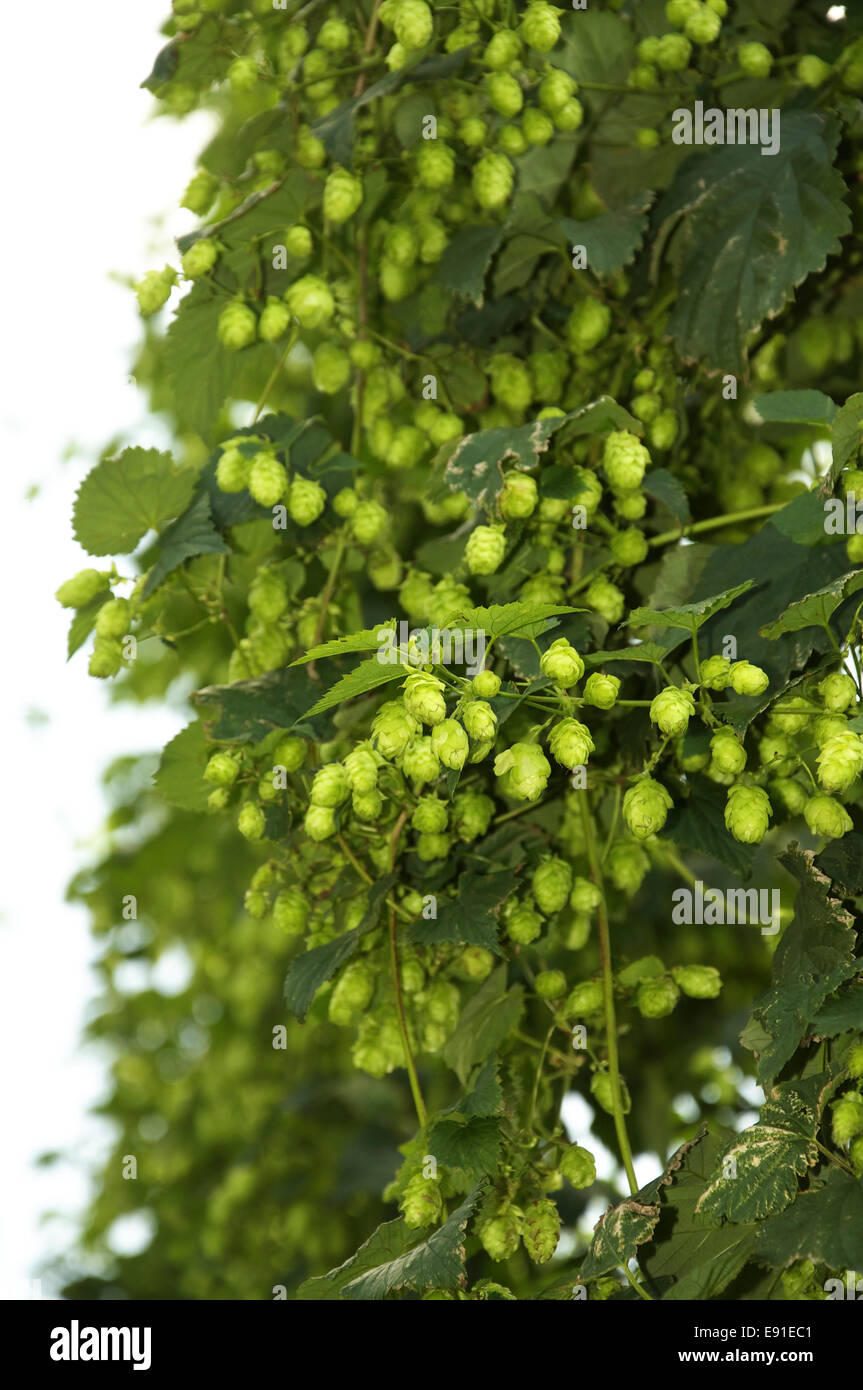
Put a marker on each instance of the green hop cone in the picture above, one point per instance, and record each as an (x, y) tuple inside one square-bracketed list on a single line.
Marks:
[(550, 984), (812, 71), (486, 685), (570, 743), (450, 745), (311, 302), (672, 709), (629, 547), (502, 49), (232, 470), (471, 815), (854, 1061), (222, 770), (268, 599), (369, 522), (274, 321), (562, 663), (715, 673), (645, 807), (421, 1202), (747, 679), (330, 786), (343, 194), (413, 24), (656, 998), (587, 326), (267, 479), (846, 1117), (585, 999), (475, 963), (541, 1231), (602, 1090), (698, 981), (81, 589), (393, 727), (551, 884), (298, 242), (435, 164), (368, 806), (523, 770), (424, 699), (578, 1166), (540, 27), (237, 326), (200, 258), (747, 814), (113, 618), (352, 993), (519, 497), (825, 816), (306, 501), (790, 794), (501, 1235), (256, 904), (601, 690), (755, 59), (727, 752), (290, 754), (433, 846), (838, 692), (585, 896), (430, 816), (200, 192), (106, 658), (243, 75), (251, 821), (625, 460), (673, 52), (523, 924), (361, 768), (492, 182), (504, 93), (154, 290), (555, 90), (479, 720), (486, 546), (320, 822), (839, 762), (419, 762), (627, 865)]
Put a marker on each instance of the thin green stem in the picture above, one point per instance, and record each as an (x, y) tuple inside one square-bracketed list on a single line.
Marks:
[(419, 1104), (608, 997), (536, 1080), (642, 1292), (274, 376), (751, 514)]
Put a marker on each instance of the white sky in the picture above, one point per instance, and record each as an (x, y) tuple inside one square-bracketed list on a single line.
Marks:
[(86, 175)]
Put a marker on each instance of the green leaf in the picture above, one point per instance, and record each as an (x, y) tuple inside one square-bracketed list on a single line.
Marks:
[(825, 1226), (509, 619), (690, 616), (691, 1256), (369, 675), (814, 610), (842, 861), (83, 623), (471, 918), (847, 433), (640, 651), (759, 1169), (795, 408), (266, 213), (123, 498), (597, 47), (180, 776), (484, 1095), (312, 969), (485, 1021), (200, 374), (698, 824), (438, 1263), (618, 1235), (814, 957), (841, 1013), (612, 238), (748, 230), (472, 1146), (246, 711), (463, 265), (474, 464), (544, 169), (802, 520), (387, 1243), (665, 488), (193, 533), (366, 641)]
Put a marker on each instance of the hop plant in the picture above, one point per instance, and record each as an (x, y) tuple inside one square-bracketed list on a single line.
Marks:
[(551, 884), (541, 1231), (645, 807), (826, 816), (238, 326), (672, 710), (747, 813), (485, 549), (562, 663), (523, 771)]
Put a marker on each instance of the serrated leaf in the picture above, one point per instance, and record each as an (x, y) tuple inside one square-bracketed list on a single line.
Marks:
[(463, 265), (841, 1013), (760, 1168), (366, 641), (199, 373), (612, 238), (825, 1226), (474, 464), (471, 1146), (543, 169), (438, 1263), (387, 1243), (191, 534), (650, 652), (816, 609), (747, 230), (83, 623), (802, 520), (814, 957), (484, 1095), (665, 488), (618, 1235), (509, 619), (369, 675), (795, 408), (484, 1023), (471, 918), (123, 498), (842, 861), (847, 433), (246, 711), (267, 212), (180, 775), (690, 616), (313, 968), (698, 825)]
